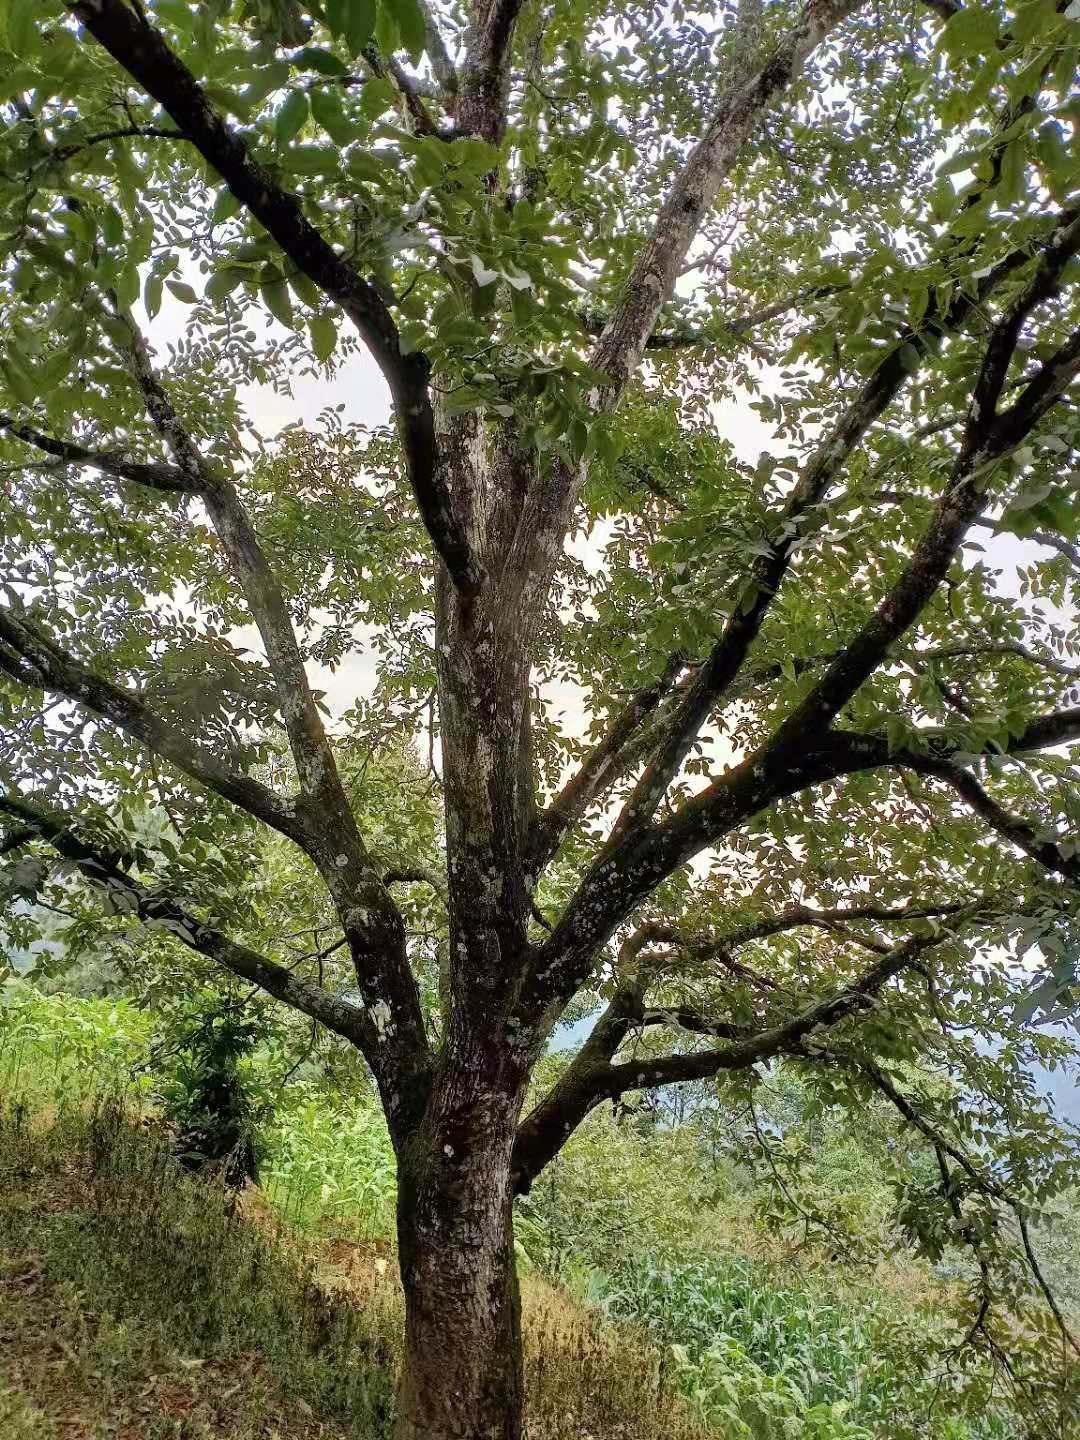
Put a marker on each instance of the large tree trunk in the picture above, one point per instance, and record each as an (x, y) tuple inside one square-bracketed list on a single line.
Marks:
[(463, 1365)]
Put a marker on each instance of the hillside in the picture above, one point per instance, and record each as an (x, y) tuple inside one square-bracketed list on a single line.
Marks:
[(660, 1296), (137, 1302)]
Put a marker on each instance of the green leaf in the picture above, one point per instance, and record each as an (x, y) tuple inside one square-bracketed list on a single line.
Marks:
[(324, 62), (223, 282), (359, 24), (275, 294), (182, 291), (112, 226), (306, 289), (312, 159), (323, 337), (336, 16), (1012, 184), (366, 167), (19, 381), (376, 98), (329, 112), (410, 23), (971, 31), (177, 12), (152, 293), (291, 117), (126, 287), (225, 207), (25, 276)]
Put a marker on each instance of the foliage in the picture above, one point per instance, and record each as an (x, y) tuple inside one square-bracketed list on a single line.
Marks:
[(66, 1047), (207, 1101), (818, 807), (652, 1224)]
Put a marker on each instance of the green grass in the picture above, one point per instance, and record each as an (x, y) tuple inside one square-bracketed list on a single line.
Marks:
[(127, 1269), (137, 1300), (137, 1273)]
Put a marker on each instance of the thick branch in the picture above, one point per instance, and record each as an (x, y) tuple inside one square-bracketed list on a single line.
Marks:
[(484, 81), (34, 660), (737, 325), (752, 90), (1064, 547), (156, 474), (367, 912), (139, 49), (419, 875), (614, 887), (437, 53), (591, 1078), (597, 769), (799, 515), (109, 871), (988, 437), (1014, 828)]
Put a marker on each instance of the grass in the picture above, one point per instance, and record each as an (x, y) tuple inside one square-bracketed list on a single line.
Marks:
[(146, 1303), (136, 1301)]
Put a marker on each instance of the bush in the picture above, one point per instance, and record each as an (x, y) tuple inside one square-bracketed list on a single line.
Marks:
[(208, 1103)]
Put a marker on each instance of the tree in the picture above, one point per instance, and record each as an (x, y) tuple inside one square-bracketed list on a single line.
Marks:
[(565, 233)]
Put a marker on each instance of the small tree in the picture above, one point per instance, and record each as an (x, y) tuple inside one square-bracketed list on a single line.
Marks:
[(566, 233)]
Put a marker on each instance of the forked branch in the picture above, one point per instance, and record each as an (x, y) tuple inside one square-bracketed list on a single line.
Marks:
[(593, 1076), (140, 49)]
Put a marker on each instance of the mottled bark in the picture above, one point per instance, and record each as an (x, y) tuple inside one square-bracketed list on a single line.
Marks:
[(462, 1378)]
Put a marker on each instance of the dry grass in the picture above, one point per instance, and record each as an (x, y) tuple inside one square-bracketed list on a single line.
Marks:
[(137, 1304)]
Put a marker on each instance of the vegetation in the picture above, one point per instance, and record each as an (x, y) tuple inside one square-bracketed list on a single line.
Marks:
[(284, 761), (653, 1306)]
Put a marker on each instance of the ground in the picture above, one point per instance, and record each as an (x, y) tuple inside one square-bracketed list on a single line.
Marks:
[(136, 1304)]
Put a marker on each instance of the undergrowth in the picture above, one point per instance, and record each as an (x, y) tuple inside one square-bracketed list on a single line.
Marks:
[(157, 1294), (137, 1300)]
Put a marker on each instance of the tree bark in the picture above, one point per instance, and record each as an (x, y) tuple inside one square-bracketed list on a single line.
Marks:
[(463, 1375)]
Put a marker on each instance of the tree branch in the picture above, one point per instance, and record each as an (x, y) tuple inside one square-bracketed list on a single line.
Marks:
[(596, 770), (943, 1146), (737, 325), (369, 917), (140, 50), (437, 53), (109, 872), (987, 438), (419, 875), (32, 659), (799, 514), (591, 1078), (484, 80), (753, 87), (155, 474), (614, 887)]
